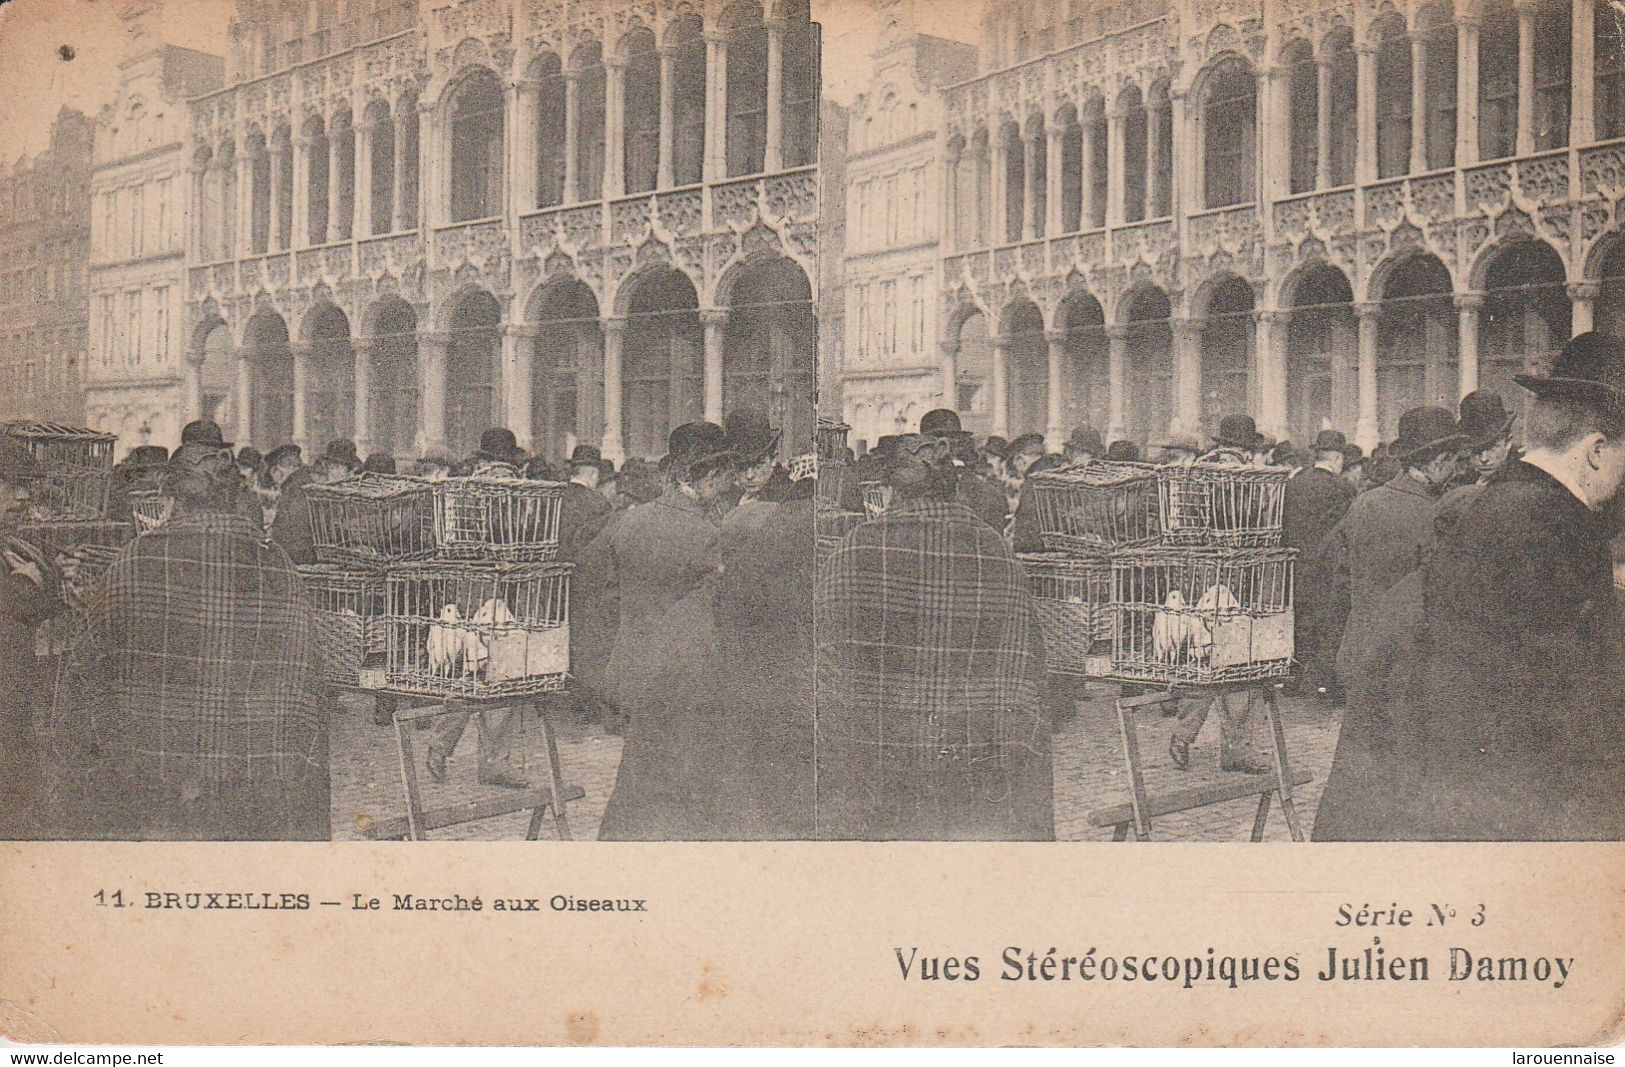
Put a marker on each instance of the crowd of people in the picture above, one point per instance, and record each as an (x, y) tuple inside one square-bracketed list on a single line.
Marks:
[(1457, 594)]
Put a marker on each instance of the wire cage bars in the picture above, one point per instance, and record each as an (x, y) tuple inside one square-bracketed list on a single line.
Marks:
[(1098, 507), (477, 630), (150, 509), (1073, 595), (349, 620), (832, 480), (78, 466), (372, 519), (70, 535), (830, 527), (831, 439), (876, 498), (1221, 504), (1201, 615), (506, 520)]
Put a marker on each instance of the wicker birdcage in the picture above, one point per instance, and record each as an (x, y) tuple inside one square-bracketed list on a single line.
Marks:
[(349, 620), (1229, 504), (501, 519), (476, 629), (372, 519), (70, 536), (78, 466), (876, 498), (151, 509), (831, 482), (1073, 595), (831, 439), (1201, 615), (1097, 507)]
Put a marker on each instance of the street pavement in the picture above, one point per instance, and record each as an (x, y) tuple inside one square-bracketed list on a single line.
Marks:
[(1089, 773)]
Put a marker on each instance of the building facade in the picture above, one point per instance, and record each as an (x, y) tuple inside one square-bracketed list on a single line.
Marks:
[(587, 221), (1322, 212), (139, 382), (44, 241)]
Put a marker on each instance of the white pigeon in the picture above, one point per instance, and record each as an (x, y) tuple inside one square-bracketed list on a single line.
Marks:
[(491, 615), (1170, 628), (445, 646), (1217, 602)]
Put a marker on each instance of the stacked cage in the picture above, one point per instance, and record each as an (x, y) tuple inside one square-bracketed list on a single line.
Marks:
[(78, 467), (832, 516), (1085, 513), (1167, 575), (441, 588)]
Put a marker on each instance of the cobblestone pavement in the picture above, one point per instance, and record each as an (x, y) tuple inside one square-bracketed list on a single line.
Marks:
[(1089, 773)]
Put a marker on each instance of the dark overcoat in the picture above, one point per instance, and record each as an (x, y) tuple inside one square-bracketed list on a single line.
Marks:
[(1504, 717), (1315, 502), (290, 530), (582, 512), (663, 561), (24, 690)]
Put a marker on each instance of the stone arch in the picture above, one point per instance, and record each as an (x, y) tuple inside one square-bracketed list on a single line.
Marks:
[(567, 361), (769, 344)]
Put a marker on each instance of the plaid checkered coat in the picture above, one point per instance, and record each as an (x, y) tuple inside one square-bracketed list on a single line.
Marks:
[(194, 692), (930, 675)]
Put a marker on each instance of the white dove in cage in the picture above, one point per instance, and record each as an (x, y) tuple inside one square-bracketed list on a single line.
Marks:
[(445, 643), (1170, 629), (493, 615), (1217, 601)]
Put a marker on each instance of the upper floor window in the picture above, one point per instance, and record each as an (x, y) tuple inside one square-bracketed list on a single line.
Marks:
[(1229, 119), (476, 147)]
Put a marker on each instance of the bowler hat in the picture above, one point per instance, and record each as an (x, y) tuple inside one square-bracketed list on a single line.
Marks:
[(1123, 452), (1027, 443), (204, 432), (941, 422), (1425, 430), (341, 453), (1484, 418), (750, 434), (1084, 439), (1353, 454), (500, 443), (695, 449), (1330, 441), (997, 446), (1590, 368), (586, 456), (1239, 431), (146, 458)]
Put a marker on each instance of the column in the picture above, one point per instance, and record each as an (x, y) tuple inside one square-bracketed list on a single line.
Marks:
[(773, 153), (1365, 116), (199, 236), (432, 416), (1052, 184), (1584, 297), (713, 320), (716, 102), (272, 237), (1086, 210), (301, 387), (245, 398), (335, 228), (244, 244), (1030, 220), (397, 219), (1467, 306), (614, 127), (948, 348), (572, 122), (1054, 434), (1116, 382), (1269, 368), (1419, 104), (956, 236), (1323, 119), (614, 335), (1001, 385), (668, 119), (999, 215), (517, 346), (301, 193), (1582, 63), (1114, 166), (363, 396), (193, 401), (1366, 433), (1526, 79), (1466, 89), (1155, 116), (429, 171), (1184, 154), (361, 193), (519, 146), (1187, 356)]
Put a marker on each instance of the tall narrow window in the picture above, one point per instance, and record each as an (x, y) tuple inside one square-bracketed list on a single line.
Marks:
[(1609, 82), (551, 127), (799, 85), (747, 87), (1304, 113), (1015, 182), (381, 164), (408, 177), (1344, 109), (1229, 115), (476, 147), (1393, 99), (1552, 70), (1134, 156), (1439, 36), (318, 156), (1498, 81), (641, 125), (588, 64), (687, 48), (160, 324)]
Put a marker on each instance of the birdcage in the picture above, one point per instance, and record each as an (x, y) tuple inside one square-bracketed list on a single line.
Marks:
[(473, 629), (834, 477), (876, 498), (508, 520), (349, 620), (830, 527), (831, 439), (150, 509), (372, 519), (1073, 595), (71, 536), (1201, 615), (78, 466), (1221, 504), (1097, 507)]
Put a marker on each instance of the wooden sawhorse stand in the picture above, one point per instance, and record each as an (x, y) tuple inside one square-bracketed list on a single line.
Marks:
[(1234, 785), (552, 797)]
